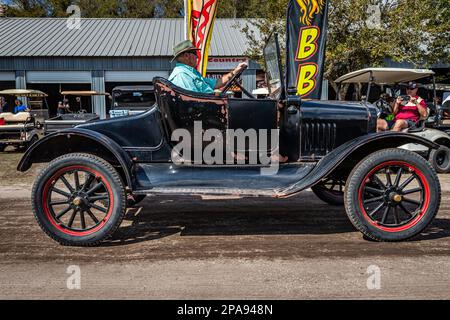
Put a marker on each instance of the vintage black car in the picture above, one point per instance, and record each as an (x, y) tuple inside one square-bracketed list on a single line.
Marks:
[(81, 197)]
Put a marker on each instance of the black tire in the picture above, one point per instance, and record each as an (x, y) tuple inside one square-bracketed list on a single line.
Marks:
[(331, 192), (400, 216), (440, 159), (133, 200), (98, 213), (2, 147)]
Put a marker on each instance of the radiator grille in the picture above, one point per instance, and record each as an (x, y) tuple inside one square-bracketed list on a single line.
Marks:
[(318, 138)]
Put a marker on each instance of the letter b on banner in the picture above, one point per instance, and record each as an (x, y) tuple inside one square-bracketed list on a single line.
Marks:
[(308, 42), (306, 82)]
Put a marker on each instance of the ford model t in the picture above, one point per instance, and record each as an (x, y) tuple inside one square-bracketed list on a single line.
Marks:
[(80, 198)]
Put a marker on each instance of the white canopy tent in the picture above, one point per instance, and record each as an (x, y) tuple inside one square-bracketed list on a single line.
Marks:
[(385, 75)]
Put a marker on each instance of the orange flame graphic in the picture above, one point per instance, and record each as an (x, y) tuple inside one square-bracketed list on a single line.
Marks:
[(310, 8)]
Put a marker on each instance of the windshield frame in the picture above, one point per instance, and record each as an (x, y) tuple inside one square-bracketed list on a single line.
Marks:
[(273, 41)]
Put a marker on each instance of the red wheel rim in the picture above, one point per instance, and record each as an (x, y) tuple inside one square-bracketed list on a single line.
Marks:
[(83, 207), (397, 203)]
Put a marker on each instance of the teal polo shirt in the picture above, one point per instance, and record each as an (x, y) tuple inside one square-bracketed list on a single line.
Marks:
[(190, 79)]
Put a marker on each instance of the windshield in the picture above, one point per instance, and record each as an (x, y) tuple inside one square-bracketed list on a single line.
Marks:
[(134, 98), (273, 66)]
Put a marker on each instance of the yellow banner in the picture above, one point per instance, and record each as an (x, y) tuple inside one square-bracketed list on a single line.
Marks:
[(201, 15)]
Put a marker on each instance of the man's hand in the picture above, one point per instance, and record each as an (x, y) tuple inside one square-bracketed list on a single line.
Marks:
[(226, 78), (399, 100), (242, 66)]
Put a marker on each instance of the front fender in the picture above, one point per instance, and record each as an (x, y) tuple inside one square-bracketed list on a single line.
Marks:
[(77, 140), (352, 153)]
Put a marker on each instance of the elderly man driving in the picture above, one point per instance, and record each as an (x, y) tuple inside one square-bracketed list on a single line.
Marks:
[(187, 77), (406, 115)]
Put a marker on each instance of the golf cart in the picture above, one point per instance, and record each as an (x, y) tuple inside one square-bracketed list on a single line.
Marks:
[(37, 103), (441, 120), (393, 82), (17, 130), (80, 198), (131, 100), (73, 117)]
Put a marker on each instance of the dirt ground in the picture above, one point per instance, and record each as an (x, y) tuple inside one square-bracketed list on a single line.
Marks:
[(185, 248)]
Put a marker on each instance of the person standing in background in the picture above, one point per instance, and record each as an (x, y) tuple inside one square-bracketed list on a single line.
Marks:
[(61, 109), (3, 105), (20, 107)]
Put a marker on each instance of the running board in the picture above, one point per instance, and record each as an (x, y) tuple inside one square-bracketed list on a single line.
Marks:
[(222, 193), (169, 179)]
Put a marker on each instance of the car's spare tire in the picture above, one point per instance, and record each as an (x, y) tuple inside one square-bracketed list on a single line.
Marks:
[(440, 159), (79, 200), (392, 195)]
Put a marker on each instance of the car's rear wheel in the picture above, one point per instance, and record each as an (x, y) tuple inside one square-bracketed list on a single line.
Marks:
[(392, 195), (2, 147), (330, 191), (440, 159), (79, 200)]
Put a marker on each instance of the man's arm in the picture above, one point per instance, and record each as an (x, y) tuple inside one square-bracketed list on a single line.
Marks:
[(226, 78)]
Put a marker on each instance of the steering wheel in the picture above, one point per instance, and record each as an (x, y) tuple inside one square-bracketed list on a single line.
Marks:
[(384, 108), (232, 81)]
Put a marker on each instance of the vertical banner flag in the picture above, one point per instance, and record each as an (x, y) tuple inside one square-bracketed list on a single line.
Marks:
[(307, 22), (200, 16)]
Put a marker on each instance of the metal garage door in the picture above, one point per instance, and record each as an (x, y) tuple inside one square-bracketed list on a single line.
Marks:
[(59, 77), (134, 76), (7, 76)]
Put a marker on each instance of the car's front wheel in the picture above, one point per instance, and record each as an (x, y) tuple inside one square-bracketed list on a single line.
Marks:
[(392, 195), (79, 200)]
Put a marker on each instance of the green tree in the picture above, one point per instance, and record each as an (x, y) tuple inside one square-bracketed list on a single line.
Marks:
[(263, 19), (138, 9), (27, 8), (414, 31)]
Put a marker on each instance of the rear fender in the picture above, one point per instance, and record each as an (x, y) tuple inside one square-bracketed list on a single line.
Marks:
[(343, 159), (78, 140)]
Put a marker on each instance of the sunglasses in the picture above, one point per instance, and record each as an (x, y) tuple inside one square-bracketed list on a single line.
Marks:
[(192, 52)]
